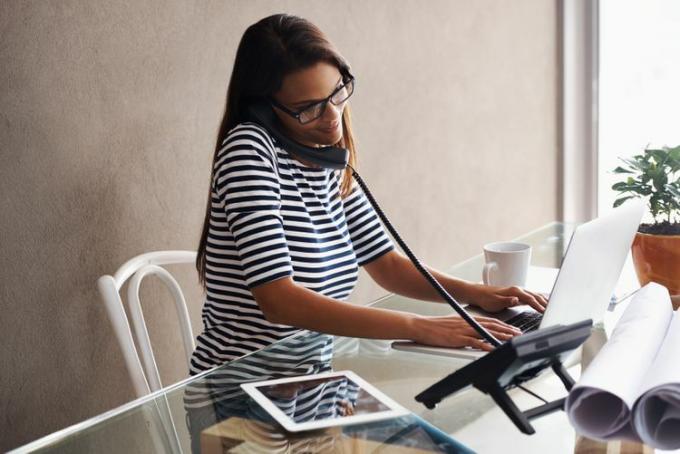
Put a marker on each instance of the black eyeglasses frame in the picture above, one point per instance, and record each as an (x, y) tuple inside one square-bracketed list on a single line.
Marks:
[(325, 101)]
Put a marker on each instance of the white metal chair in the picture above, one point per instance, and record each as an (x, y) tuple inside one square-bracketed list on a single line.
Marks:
[(144, 378), (147, 378)]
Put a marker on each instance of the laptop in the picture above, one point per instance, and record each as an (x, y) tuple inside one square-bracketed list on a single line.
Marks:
[(584, 285)]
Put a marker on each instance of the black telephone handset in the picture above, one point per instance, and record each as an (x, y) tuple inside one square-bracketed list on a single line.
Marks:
[(338, 158), (328, 157)]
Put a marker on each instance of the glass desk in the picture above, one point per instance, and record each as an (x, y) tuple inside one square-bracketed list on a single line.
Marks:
[(210, 410)]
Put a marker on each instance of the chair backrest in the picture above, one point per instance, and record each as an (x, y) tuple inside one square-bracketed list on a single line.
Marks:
[(144, 375)]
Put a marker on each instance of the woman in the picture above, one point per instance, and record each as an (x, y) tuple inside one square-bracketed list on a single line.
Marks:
[(283, 239)]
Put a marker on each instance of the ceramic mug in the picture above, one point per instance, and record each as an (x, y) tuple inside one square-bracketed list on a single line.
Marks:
[(507, 264)]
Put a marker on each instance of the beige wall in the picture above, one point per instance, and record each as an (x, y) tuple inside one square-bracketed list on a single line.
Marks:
[(108, 115)]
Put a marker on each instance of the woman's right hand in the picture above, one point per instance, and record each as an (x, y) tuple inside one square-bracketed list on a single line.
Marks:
[(453, 331)]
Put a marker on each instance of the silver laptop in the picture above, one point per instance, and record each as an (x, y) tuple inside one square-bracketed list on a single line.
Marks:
[(585, 282)]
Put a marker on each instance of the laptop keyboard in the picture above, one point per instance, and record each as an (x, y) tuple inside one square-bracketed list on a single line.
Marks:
[(526, 320)]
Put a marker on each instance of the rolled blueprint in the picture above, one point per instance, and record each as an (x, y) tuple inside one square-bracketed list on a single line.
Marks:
[(656, 414), (600, 405)]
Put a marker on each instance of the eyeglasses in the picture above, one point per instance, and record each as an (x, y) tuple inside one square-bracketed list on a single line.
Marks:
[(313, 111)]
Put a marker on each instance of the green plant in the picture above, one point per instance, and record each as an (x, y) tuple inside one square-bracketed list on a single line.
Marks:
[(655, 175)]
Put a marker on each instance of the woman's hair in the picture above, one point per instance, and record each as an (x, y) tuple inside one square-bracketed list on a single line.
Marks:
[(269, 50)]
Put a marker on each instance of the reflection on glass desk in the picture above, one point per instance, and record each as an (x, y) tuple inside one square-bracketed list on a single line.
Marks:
[(220, 414), (211, 411)]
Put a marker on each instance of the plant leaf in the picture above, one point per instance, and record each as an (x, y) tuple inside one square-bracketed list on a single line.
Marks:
[(618, 202), (637, 162), (660, 156), (674, 158), (620, 169), (673, 190)]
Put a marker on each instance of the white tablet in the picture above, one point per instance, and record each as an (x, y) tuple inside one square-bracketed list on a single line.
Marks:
[(322, 400)]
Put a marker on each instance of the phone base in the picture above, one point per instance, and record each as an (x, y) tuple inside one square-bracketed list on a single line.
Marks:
[(513, 363)]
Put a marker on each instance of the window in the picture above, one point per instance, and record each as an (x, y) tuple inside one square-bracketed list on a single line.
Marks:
[(639, 83)]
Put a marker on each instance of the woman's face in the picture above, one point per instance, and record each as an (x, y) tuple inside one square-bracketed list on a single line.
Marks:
[(304, 87)]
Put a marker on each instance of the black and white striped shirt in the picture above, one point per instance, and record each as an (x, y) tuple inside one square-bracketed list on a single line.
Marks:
[(273, 217)]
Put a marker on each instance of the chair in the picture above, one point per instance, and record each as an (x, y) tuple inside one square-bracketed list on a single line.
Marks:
[(146, 378)]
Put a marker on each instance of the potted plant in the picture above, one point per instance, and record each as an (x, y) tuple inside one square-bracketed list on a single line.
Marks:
[(655, 175)]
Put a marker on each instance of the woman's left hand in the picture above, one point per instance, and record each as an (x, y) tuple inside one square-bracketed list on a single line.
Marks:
[(495, 299)]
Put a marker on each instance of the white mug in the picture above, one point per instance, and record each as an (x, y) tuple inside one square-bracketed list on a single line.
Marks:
[(507, 264)]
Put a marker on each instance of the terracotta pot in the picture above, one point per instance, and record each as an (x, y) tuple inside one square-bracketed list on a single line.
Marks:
[(657, 259)]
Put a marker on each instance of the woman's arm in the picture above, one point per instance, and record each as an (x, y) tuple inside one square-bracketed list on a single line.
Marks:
[(285, 302), (395, 273)]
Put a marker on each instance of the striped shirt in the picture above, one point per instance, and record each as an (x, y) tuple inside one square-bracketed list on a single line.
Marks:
[(272, 217)]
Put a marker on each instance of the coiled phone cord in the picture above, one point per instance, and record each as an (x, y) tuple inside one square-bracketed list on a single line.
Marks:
[(431, 279)]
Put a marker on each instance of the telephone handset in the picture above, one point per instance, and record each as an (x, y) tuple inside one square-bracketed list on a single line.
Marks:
[(328, 157), (338, 158)]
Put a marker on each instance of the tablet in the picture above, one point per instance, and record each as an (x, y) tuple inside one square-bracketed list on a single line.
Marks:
[(322, 400)]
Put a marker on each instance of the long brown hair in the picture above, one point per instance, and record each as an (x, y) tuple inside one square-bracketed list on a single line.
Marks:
[(269, 50)]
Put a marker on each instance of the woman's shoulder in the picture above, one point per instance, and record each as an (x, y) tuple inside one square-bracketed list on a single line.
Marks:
[(249, 132), (248, 136)]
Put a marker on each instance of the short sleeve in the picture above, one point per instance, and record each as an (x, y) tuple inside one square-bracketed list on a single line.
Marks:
[(368, 236), (247, 184)]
